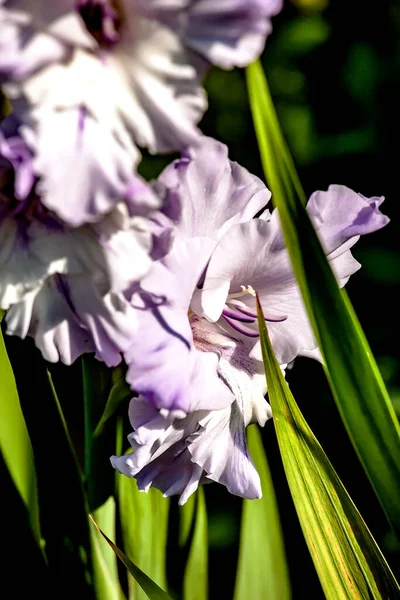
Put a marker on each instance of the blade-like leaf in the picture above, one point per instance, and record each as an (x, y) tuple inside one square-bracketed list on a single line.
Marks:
[(262, 569), (144, 526), (97, 382), (186, 519), (119, 393), (151, 589), (99, 477), (356, 383), (105, 571), (348, 561), (63, 509), (15, 444), (195, 581)]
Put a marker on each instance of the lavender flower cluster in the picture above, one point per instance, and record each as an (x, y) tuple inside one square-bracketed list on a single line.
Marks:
[(160, 275)]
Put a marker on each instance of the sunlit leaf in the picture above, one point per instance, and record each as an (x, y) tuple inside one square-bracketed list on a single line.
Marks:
[(99, 477), (186, 519), (119, 393), (105, 571), (348, 561), (356, 383), (97, 382), (195, 581), (63, 508), (15, 444), (144, 526), (262, 569), (151, 589)]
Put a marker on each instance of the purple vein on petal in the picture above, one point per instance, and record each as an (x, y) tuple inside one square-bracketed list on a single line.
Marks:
[(82, 114)]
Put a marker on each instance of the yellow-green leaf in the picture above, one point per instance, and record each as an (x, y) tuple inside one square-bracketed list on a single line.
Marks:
[(151, 589), (144, 526), (262, 570), (356, 383), (347, 559), (15, 444), (195, 581), (105, 571)]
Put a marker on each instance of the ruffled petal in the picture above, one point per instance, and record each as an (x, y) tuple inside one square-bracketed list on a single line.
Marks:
[(220, 448), (84, 170), (159, 92), (339, 215), (67, 316), (142, 90), (246, 255), (46, 316), (206, 193), (172, 473), (231, 32), (254, 254), (228, 33), (66, 286), (160, 458), (175, 455), (36, 34)]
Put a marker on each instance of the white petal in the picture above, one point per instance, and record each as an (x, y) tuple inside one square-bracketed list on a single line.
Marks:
[(221, 450), (159, 91), (84, 170)]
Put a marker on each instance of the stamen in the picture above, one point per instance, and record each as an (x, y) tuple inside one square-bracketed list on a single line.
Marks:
[(241, 328), (275, 318), (234, 318), (227, 312), (241, 307)]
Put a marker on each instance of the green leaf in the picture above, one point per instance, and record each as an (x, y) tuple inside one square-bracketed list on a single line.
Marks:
[(151, 589), (356, 383), (97, 382), (99, 477), (144, 527), (186, 519), (104, 391), (15, 444), (62, 502), (262, 570), (348, 561), (105, 571), (119, 393), (195, 581)]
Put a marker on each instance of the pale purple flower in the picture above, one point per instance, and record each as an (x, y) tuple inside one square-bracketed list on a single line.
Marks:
[(94, 79), (214, 267), (226, 33), (205, 195), (67, 287)]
